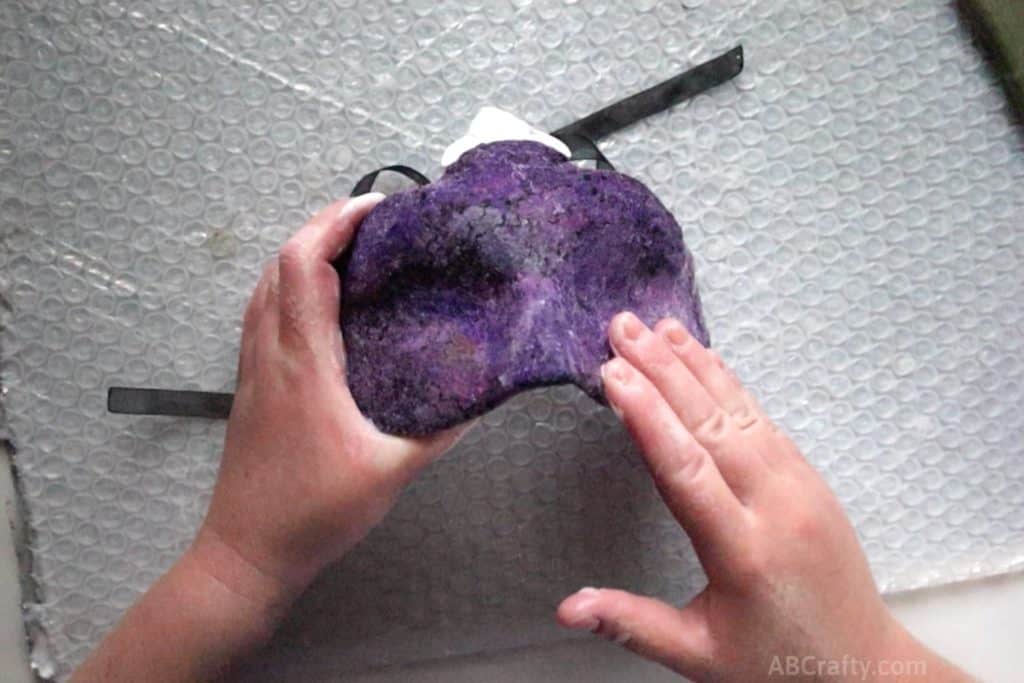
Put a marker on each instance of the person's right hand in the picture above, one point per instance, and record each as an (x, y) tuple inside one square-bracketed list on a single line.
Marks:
[(305, 475), (789, 590)]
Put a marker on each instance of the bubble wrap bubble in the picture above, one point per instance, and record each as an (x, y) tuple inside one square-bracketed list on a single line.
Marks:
[(853, 200)]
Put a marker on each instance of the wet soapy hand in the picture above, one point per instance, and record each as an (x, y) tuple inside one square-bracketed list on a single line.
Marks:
[(303, 478), (304, 475), (789, 590)]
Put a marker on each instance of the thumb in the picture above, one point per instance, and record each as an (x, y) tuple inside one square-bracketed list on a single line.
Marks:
[(410, 454), (310, 291), (677, 639)]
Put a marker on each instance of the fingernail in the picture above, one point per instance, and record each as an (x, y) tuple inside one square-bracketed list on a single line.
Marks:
[(374, 196), (675, 332), (343, 210), (582, 618), (613, 371), (631, 327), (623, 638), (354, 203), (589, 595)]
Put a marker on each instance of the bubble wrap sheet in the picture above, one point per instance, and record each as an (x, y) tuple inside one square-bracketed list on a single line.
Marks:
[(854, 200)]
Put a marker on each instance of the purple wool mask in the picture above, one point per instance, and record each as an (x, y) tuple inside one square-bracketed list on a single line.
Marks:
[(502, 276)]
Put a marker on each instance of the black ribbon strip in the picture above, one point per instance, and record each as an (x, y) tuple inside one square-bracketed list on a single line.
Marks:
[(657, 98), (578, 136), (365, 183), (583, 149), (137, 401)]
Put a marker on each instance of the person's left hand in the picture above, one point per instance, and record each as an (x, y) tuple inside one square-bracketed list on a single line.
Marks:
[(304, 475)]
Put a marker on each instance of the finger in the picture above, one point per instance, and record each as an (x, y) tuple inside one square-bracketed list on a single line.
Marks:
[(310, 291), (699, 412), (255, 306), (683, 470), (707, 367), (272, 296), (760, 433), (649, 354), (254, 313), (328, 232), (415, 453), (677, 639), (432, 446)]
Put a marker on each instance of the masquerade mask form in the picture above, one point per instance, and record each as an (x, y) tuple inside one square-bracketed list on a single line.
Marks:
[(500, 276)]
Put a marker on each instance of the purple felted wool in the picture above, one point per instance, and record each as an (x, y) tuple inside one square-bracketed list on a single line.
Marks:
[(501, 276)]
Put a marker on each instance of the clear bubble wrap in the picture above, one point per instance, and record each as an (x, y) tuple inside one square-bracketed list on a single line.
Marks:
[(854, 200)]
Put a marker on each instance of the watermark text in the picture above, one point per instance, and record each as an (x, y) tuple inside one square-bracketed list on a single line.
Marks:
[(849, 668)]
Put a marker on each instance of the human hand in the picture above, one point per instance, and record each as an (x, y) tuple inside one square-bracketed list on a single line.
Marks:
[(786, 573), (303, 478), (304, 475)]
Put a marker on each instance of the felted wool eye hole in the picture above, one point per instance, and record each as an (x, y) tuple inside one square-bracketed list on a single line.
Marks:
[(502, 274)]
